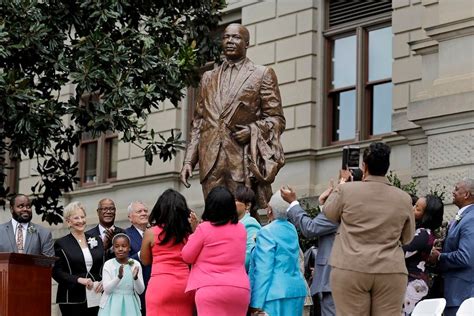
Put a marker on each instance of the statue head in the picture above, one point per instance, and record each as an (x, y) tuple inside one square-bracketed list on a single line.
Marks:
[(235, 41)]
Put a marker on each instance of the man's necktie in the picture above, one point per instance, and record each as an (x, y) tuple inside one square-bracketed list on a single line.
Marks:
[(227, 81), (19, 238)]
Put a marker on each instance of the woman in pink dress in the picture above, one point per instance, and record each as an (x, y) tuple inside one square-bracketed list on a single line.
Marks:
[(217, 252), (161, 246)]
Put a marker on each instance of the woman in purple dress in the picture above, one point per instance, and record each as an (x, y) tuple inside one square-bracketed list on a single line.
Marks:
[(429, 216)]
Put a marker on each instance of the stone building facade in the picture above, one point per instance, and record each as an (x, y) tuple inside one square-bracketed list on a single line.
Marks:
[(424, 49), (314, 46), (412, 85)]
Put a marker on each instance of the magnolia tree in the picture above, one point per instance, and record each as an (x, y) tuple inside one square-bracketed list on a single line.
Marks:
[(122, 58)]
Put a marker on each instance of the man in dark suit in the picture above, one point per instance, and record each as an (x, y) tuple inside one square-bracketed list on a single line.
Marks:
[(20, 234), (106, 229), (138, 216), (456, 261), (237, 123)]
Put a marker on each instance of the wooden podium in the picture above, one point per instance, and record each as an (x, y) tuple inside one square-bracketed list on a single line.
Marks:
[(25, 284)]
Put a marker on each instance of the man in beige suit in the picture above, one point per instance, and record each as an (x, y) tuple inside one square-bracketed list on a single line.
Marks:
[(237, 123), (369, 276)]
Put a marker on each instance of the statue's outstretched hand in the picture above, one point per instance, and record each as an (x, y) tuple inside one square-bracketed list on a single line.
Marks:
[(186, 173)]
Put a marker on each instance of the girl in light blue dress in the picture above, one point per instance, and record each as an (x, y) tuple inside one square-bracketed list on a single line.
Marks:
[(122, 280)]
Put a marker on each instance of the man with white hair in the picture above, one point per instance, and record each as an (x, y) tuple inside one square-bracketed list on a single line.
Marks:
[(456, 261), (277, 284), (138, 216)]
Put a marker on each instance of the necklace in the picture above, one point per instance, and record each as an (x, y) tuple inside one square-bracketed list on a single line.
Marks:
[(79, 240)]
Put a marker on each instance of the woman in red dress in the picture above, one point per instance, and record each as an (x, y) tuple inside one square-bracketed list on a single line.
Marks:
[(161, 247)]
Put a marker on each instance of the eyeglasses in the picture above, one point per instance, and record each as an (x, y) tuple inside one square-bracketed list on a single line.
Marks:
[(107, 209)]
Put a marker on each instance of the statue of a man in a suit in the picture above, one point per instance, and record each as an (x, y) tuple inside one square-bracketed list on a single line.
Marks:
[(237, 123), (21, 235)]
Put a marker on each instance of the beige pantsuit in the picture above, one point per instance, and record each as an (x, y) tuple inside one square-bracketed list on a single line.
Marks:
[(369, 293), (369, 275)]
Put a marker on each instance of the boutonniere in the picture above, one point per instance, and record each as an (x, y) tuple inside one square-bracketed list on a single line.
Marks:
[(32, 229), (458, 218), (131, 262), (92, 242)]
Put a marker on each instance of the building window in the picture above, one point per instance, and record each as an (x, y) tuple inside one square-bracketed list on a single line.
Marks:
[(89, 150), (359, 73), (10, 170), (98, 159), (111, 149), (343, 88), (379, 83)]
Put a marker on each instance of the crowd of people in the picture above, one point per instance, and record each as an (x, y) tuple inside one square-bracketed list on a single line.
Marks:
[(378, 251)]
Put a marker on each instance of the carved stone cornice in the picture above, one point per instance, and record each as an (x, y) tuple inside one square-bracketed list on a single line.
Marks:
[(450, 30), (424, 46)]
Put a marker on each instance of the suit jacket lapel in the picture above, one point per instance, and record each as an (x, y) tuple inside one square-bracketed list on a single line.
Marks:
[(95, 253), (469, 209), (97, 231), (245, 72), (217, 94), (11, 236), (455, 223), (135, 239), (28, 238), (76, 249)]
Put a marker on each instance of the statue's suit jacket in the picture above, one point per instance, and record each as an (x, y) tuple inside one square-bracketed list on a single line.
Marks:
[(325, 230), (38, 240), (456, 262), (254, 98)]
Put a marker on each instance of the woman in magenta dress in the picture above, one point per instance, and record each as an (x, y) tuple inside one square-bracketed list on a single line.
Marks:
[(161, 246), (217, 252)]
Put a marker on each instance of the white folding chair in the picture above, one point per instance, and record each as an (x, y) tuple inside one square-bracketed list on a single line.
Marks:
[(466, 308), (429, 307)]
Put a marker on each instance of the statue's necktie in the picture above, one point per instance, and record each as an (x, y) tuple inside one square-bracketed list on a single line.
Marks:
[(19, 238), (227, 81)]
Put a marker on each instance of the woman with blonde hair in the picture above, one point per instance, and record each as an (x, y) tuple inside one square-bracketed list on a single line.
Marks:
[(78, 269)]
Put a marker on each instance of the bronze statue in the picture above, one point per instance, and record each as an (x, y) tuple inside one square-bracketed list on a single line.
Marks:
[(237, 123)]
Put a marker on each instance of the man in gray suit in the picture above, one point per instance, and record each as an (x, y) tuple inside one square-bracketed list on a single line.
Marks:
[(325, 230), (21, 235)]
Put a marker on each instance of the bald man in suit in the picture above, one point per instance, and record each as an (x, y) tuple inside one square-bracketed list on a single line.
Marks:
[(456, 261), (106, 228)]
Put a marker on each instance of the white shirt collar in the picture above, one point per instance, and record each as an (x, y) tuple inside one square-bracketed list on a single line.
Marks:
[(461, 210), (15, 224), (102, 230)]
